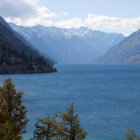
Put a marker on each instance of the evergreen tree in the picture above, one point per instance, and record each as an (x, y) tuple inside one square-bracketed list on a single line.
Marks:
[(67, 128), (12, 113), (70, 128), (131, 135), (45, 129)]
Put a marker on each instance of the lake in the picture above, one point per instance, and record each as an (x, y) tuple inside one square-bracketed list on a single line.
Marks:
[(106, 97)]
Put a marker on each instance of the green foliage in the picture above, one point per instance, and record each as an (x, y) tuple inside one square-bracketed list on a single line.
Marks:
[(66, 128), (70, 126), (131, 135), (45, 129), (12, 113)]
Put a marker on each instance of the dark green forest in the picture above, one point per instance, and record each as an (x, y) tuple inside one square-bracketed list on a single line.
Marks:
[(14, 51), (19, 56)]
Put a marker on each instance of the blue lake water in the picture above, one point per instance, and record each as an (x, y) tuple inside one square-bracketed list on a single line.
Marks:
[(107, 97)]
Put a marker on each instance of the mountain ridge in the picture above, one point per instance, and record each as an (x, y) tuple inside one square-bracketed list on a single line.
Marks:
[(17, 55), (79, 45), (127, 51)]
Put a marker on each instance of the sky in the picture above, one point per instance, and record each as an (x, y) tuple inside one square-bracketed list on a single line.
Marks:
[(120, 16)]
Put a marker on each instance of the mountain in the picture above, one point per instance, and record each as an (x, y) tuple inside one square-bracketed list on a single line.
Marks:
[(80, 45), (128, 51), (17, 55)]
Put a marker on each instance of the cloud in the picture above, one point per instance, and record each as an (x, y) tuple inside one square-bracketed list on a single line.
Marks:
[(65, 13), (31, 21), (16, 9), (103, 22), (72, 23), (30, 13), (110, 23), (23, 9)]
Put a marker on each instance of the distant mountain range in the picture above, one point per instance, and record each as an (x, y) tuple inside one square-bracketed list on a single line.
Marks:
[(127, 51), (80, 45), (17, 55)]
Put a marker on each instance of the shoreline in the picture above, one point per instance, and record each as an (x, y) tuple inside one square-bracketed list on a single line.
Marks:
[(25, 69)]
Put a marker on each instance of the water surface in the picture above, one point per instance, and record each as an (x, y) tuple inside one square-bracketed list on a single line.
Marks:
[(107, 97)]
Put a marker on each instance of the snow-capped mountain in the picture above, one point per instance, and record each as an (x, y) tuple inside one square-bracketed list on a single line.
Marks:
[(80, 45)]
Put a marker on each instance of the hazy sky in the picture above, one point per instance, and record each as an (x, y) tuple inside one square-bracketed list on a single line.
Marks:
[(107, 15)]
